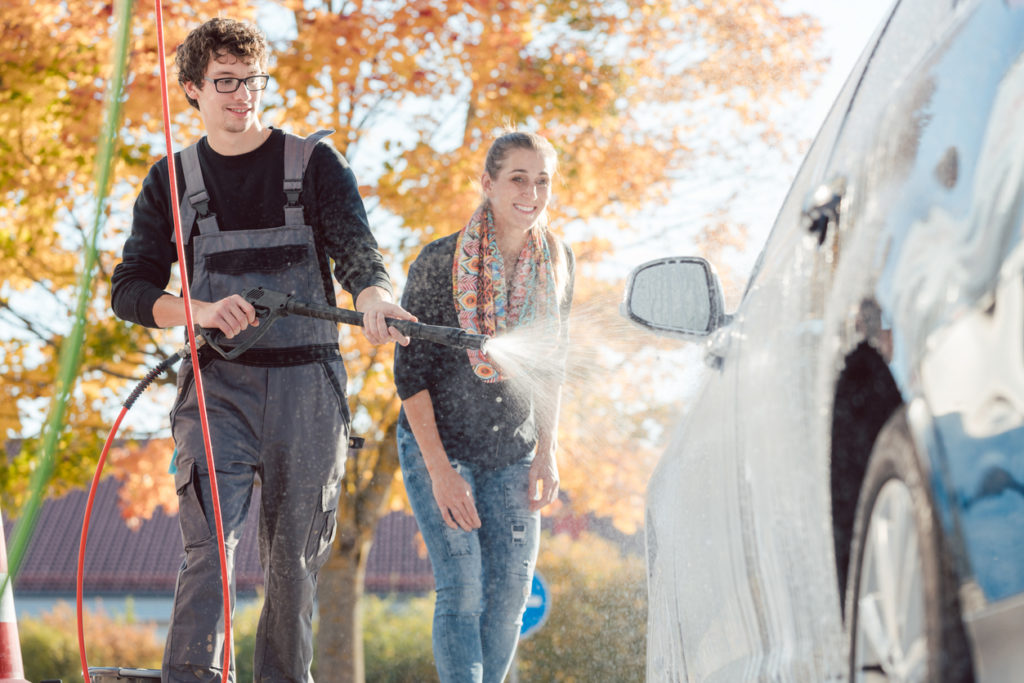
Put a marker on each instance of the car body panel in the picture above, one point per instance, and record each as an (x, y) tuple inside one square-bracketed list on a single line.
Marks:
[(921, 267), (950, 274)]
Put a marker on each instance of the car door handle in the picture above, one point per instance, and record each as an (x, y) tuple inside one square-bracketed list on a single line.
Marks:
[(821, 208)]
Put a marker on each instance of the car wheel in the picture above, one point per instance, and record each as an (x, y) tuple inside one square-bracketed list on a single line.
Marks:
[(901, 602)]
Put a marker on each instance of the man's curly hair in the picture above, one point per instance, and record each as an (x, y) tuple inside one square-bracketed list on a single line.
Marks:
[(218, 38)]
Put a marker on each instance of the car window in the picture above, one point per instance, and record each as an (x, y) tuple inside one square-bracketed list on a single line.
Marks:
[(817, 156), (916, 23), (859, 103)]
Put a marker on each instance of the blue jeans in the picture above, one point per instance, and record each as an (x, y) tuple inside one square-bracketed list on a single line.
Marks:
[(482, 577)]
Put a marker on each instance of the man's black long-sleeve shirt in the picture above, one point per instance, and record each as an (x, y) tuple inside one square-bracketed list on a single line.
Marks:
[(246, 192)]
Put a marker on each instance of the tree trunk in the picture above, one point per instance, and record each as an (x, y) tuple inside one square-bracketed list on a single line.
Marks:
[(340, 638), (369, 474)]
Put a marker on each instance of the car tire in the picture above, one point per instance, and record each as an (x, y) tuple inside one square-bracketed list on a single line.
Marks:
[(903, 613)]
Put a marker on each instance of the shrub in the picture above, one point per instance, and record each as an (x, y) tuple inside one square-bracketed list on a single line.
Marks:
[(596, 629), (396, 635), (243, 634), (49, 643)]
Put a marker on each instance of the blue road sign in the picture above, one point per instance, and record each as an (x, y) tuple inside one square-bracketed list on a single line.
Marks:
[(537, 607)]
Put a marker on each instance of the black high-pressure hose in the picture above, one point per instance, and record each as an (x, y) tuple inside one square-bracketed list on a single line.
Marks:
[(275, 304), (151, 376)]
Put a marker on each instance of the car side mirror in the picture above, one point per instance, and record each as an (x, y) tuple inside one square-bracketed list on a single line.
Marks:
[(678, 296)]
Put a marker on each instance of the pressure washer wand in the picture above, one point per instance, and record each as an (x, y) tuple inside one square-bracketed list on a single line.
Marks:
[(439, 334), (271, 305)]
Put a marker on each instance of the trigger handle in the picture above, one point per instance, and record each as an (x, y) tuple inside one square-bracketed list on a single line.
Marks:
[(215, 337)]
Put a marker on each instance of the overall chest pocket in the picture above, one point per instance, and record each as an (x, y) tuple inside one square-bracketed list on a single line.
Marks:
[(257, 260), (281, 259)]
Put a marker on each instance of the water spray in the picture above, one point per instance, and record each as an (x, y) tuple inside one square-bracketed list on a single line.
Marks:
[(271, 306)]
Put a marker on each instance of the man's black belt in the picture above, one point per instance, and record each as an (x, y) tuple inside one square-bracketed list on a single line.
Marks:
[(276, 357)]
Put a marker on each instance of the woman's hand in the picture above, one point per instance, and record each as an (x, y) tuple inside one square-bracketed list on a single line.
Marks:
[(455, 499), (543, 479)]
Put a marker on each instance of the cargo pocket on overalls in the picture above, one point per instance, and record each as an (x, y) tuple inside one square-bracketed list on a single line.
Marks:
[(195, 529), (186, 383), (337, 387), (324, 527), (186, 379), (260, 260)]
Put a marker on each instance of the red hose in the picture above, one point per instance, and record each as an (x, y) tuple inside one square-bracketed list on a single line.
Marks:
[(85, 534), (189, 326), (200, 396)]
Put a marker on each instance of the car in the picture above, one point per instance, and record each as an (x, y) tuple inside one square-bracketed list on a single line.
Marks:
[(843, 498)]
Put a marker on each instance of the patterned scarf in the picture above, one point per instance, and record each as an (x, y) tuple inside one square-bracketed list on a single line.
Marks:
[(482, 300)]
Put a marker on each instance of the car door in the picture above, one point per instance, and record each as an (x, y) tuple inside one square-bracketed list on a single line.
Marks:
[(785, 362), (773, 341), (698, 594), (708, 611)]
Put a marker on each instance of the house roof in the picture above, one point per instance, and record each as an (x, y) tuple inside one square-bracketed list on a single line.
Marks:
[(119, 560)]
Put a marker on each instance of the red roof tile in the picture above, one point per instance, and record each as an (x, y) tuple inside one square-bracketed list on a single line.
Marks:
[(119, 560)]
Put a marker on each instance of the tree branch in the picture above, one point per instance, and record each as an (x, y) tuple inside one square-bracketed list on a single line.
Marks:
[(46, 336)]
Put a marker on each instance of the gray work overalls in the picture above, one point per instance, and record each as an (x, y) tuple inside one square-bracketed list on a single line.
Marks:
[(278, 413)]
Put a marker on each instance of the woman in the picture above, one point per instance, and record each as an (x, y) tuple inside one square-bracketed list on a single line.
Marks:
[(476, 446)]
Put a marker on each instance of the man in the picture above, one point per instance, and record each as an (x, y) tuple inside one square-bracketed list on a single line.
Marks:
[(259, 207)]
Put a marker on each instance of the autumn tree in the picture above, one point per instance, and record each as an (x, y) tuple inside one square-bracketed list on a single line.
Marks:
[(631, 93), (57, 59), (619, 87)]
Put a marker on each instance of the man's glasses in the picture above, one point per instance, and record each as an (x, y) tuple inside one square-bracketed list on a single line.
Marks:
[(227, 85)]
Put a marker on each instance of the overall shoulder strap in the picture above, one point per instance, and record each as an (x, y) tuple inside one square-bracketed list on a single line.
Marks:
[(297, 152), (196, 201)]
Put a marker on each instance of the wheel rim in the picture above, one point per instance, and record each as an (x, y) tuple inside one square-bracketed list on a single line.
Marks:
[(890, 642)]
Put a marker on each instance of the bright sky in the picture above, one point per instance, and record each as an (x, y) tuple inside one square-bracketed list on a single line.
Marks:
[(847, 27)]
